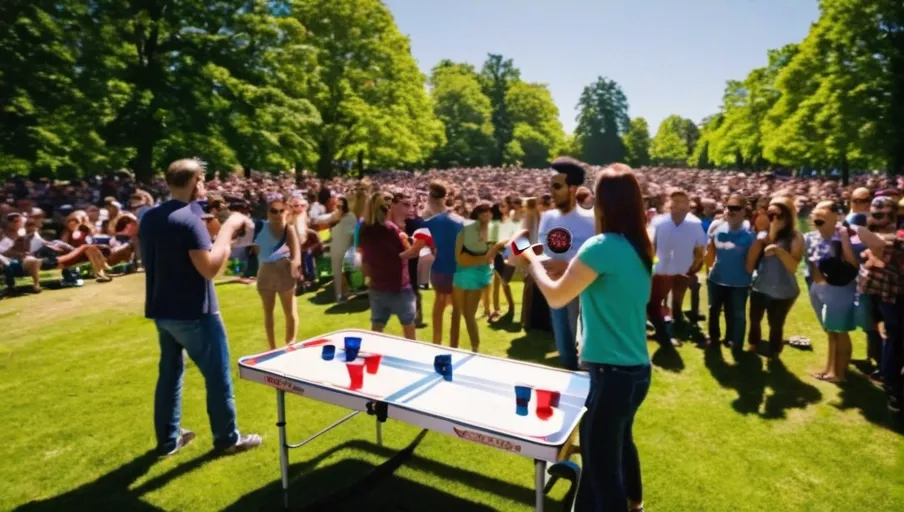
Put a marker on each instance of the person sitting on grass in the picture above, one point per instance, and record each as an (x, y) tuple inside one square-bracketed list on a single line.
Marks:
[(14, 249)]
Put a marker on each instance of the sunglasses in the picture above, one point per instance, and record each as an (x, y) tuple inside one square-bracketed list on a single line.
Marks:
[(818, 222), (557, 186), (860, 201), (734, 209), (274, 211), (775, 216), (879, 215)]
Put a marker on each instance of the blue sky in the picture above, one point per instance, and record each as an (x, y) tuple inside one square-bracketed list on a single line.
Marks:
[(669, 56)]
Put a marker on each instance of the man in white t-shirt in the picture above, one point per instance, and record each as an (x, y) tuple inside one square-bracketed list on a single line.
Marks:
[(679, 241), (563, 230)]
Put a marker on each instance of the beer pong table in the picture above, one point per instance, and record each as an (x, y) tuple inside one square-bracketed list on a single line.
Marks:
[(477, 405)]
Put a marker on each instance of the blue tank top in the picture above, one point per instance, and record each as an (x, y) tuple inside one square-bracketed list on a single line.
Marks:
[(272, 249)]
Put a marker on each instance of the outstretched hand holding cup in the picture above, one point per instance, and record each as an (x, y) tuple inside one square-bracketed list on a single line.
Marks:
[(523, 252)]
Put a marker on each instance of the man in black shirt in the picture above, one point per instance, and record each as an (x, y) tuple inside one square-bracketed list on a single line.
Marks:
[(180, 263)]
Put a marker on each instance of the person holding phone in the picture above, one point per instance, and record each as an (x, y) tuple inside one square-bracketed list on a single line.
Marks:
[(611, 275)]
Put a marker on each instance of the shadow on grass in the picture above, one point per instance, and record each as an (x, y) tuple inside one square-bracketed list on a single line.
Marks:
[(356, 304), (112, 491), (859, 393), (750, 381), (668, 359), (376, 487), (535, 346)]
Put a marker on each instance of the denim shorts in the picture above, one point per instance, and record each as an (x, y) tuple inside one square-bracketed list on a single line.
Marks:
[(834, 306), (385, 304)]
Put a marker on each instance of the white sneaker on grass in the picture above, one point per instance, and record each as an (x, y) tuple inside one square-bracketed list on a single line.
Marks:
[(185, 437), (246, 442)]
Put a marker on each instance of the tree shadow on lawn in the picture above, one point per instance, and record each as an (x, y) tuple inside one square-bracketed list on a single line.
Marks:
[(859, 393), (112, 492), (750, 380), (367, 486)]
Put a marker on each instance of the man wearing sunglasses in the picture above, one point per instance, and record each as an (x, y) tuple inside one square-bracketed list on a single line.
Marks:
[(860, 204), (562, 231)]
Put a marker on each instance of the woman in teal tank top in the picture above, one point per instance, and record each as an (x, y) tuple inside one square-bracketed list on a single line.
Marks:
[(612, 276)]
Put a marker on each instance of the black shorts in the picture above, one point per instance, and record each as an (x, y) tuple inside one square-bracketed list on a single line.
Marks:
[(506, 272)]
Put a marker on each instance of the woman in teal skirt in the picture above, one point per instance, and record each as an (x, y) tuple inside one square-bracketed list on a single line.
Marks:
[(474, 254)]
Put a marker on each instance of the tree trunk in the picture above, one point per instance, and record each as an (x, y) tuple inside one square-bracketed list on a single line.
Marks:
[(845, 170), (325, 161), (144, 157)]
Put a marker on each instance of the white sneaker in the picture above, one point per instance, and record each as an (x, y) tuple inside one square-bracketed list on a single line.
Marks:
[(185, 437), (246, 442)]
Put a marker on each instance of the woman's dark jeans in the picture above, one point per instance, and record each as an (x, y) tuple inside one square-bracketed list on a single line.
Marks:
[(734, 300), (611, 467), (776, 311), (893, 357)]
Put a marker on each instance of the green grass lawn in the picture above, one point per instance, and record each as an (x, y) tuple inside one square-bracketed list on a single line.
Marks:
[(78, 370)]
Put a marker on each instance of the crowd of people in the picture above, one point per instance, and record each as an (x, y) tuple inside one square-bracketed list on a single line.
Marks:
[(620, 250)]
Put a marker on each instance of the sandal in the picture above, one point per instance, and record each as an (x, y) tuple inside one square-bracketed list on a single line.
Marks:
[(800, 342), (494, 316), (825, 378)]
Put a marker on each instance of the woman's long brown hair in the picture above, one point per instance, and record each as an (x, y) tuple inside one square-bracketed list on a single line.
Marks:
[(620, 209)]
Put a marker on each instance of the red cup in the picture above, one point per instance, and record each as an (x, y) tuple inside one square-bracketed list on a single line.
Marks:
[(372, 363), (355, 374), (546, 400)]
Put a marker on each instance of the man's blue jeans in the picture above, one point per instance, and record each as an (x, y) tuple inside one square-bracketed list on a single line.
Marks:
[(205, 342), (734, 300), (611, 466), (564, 328)]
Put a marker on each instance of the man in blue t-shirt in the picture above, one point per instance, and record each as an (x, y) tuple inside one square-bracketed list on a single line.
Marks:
[(444, 227), (180, 263)]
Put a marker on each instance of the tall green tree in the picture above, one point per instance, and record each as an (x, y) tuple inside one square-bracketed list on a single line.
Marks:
[(538, 134), (497, 76), (366, 86), (670, 144), (466, 114), (637, 142), (602, 122)]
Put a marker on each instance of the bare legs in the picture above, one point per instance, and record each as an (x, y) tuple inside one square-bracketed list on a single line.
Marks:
[(468, 301), (439, 308), (287, 300), (268, 299)]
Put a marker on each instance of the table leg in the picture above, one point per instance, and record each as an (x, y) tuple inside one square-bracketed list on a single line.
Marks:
[(539, 482), (283, 444), (379, 433)]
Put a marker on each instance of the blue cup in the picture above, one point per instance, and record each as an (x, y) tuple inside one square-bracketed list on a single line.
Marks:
[(521, 410), (352, 346), (522, 395), (329, 352)]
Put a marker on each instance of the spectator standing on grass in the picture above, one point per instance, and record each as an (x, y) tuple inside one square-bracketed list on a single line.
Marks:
[(280, 268), (180, 265), (832, 271), (563, 229), (728, 283), (775, 255), (444, 226), (679, 242), (885, 282), (382, 244), (611, 275), (403, 214)]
